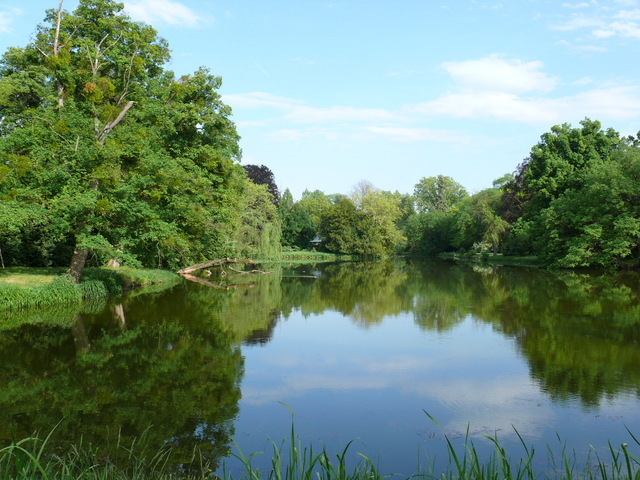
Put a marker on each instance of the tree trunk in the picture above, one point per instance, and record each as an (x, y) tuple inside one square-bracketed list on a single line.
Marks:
[(118, 315), (77, 263), (80, 336)]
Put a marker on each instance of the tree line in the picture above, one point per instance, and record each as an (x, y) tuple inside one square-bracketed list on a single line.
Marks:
[(574, 202), (107, 155)]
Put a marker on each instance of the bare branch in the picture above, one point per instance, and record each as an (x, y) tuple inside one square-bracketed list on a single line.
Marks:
[(56, 38), (111, 125), (210, 263), (193, 278)]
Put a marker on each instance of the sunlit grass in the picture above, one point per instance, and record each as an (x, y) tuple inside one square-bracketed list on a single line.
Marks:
[(28, 277), (292, 255), (26, 288)]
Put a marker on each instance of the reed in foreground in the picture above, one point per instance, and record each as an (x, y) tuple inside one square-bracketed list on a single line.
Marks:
[(32, 458)]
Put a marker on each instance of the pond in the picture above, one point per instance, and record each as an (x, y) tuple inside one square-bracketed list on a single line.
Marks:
[(393, 356)]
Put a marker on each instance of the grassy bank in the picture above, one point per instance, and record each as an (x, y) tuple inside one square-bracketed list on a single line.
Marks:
[(499, 259), (35, 287), (28, 459), (306, 255)]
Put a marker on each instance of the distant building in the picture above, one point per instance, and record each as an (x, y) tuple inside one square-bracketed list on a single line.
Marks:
[(316, 242)]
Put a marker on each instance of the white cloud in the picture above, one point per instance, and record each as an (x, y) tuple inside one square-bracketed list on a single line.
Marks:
[(167, 12), (605, 22), (297, 111), (488, 104), (499, 74), (629, 15), (255, 100), (516, 91), (578, 23), (487, 88), (607, 103), (617, 102), (306, 114), (416, 134), (7, 17), (576, 5), (623, 29)]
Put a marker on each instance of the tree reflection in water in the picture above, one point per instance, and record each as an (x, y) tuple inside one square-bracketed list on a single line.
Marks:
[(167, 366)]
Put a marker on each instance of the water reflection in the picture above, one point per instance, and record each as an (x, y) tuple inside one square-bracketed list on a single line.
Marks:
[(168, 366), (578, 332), (158, 371)]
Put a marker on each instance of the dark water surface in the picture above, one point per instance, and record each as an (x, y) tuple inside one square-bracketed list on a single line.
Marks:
[(358, 351)]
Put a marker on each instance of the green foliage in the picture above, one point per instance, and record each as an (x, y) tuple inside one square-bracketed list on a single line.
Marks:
[(370, 229), (315, 203), (338, 227), (476, 221), (149, 384), (597, 224), (107, 150), (298, 228), (437, 193), (520, 239), (559, 159), (96, 283), (429, 233), (62, 290), (574, 203), (378, 224), (259, 233)]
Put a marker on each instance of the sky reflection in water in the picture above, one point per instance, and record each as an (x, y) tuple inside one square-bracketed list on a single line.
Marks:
[(345, 380), (359, 353)]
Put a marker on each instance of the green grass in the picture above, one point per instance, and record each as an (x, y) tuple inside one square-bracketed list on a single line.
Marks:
[(499, 259), (306, 255), (27, 288), (30, 459)]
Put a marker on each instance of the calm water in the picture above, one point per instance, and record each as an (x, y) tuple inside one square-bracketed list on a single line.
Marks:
[(358, 351)]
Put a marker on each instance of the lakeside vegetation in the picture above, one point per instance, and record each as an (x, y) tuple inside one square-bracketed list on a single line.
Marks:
[(110, 157), (34, 287), (173, 361), (290, 460), (113, 157)]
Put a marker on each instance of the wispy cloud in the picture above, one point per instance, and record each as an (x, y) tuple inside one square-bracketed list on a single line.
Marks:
[(490, 104), (298, 112), (496, 73), (602, 22), (576, 5), (522, 92), (339, 114), (254, 100), (7, 17), (168, 12), (417, 134), (488, 88)]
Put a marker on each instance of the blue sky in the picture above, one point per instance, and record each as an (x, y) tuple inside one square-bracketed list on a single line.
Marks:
[(328, 93)]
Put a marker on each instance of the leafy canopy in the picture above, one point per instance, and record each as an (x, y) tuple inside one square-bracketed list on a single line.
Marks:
[(116, 153)]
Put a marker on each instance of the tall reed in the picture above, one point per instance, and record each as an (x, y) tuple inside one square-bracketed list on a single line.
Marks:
[(32, 458)]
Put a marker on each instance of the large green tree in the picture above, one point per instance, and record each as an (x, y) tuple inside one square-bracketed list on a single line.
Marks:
[(259, 233), (557, 163), (573, 202), (118, 155), (599, 223), (368, 229), (437, 193)]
